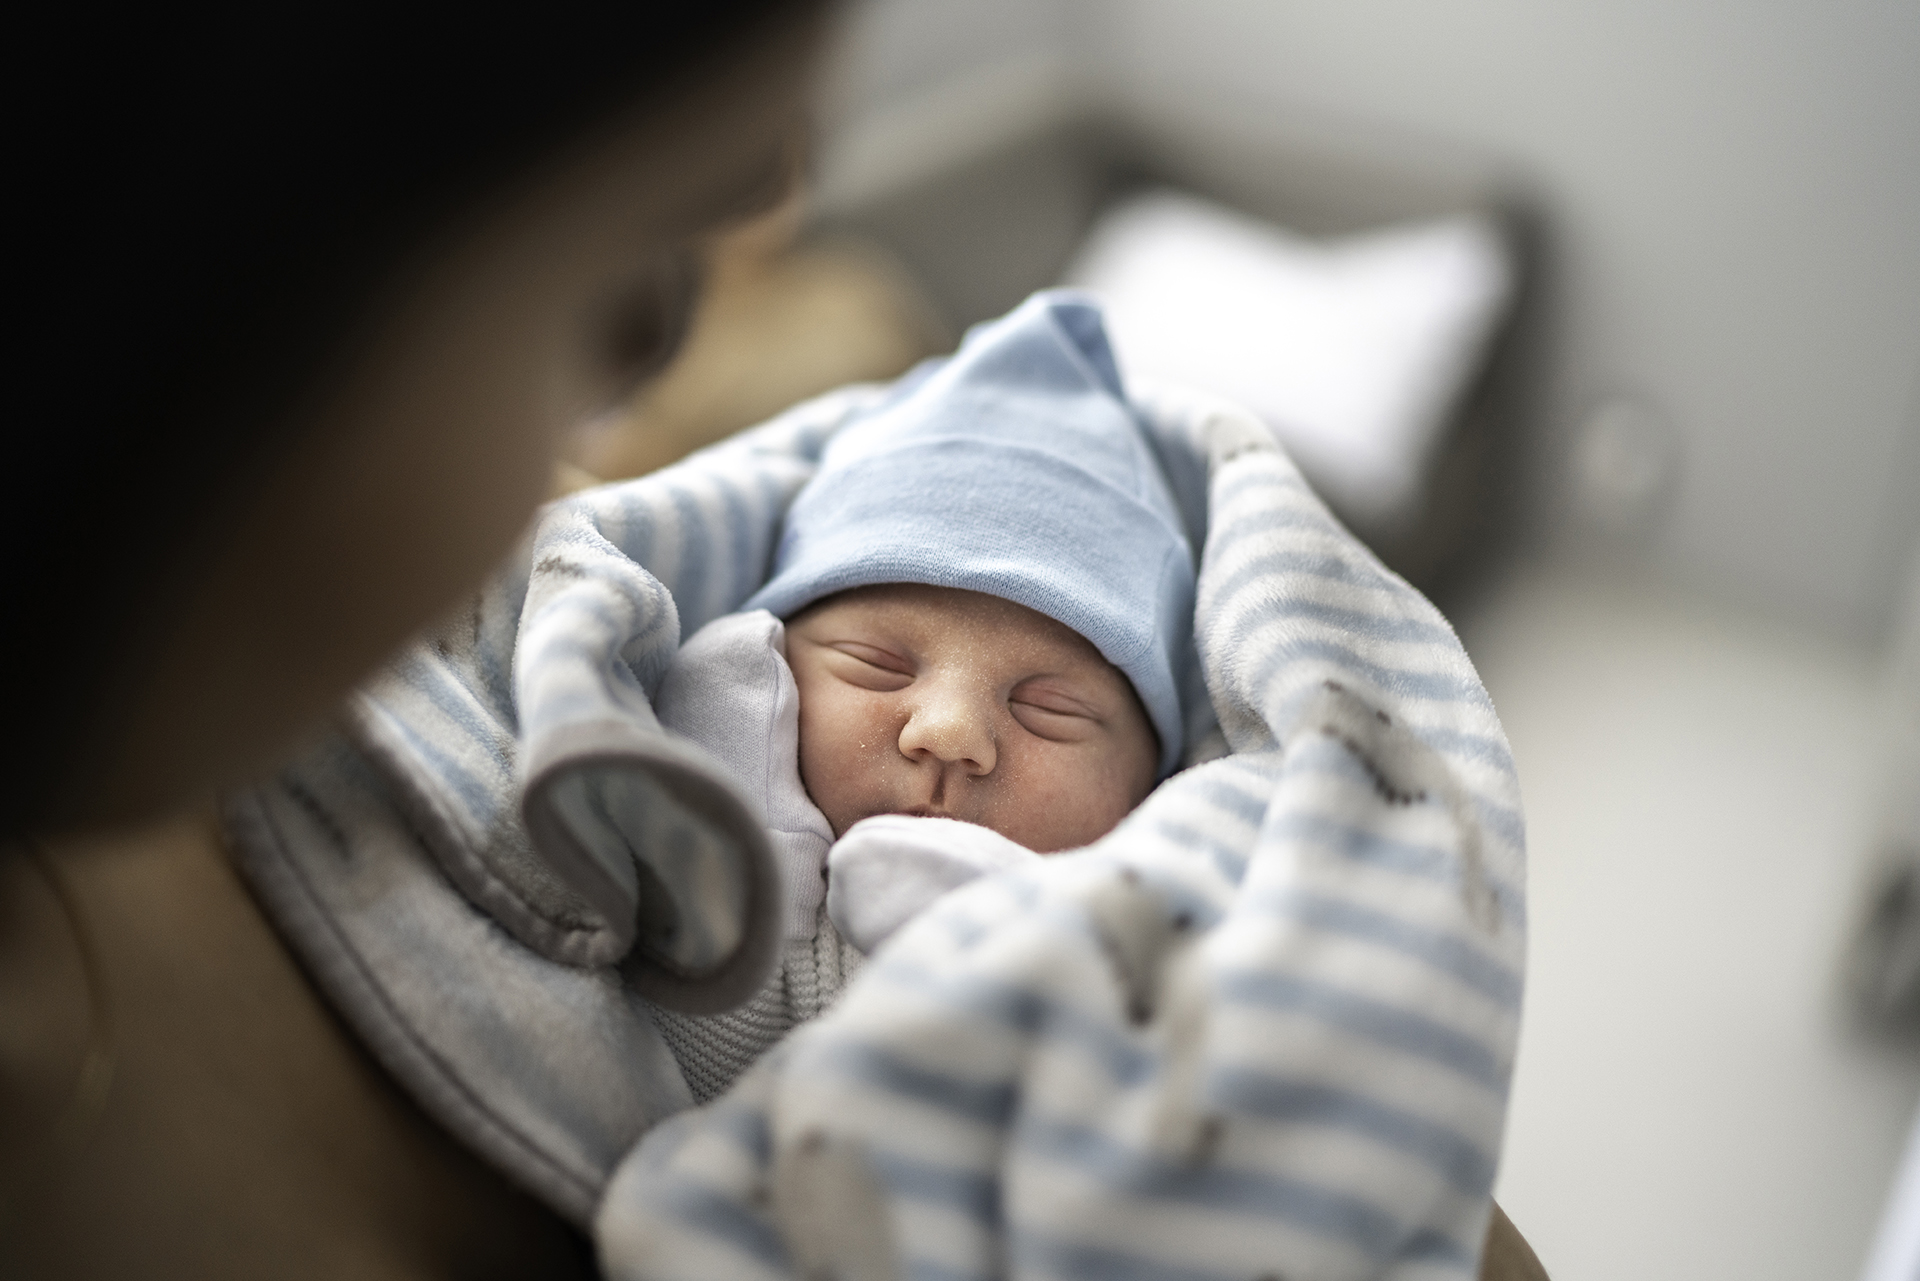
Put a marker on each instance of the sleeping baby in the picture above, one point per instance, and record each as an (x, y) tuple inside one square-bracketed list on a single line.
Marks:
[(963, 659)]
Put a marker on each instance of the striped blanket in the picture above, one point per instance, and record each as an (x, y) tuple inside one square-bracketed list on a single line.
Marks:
[(1264, 1028)]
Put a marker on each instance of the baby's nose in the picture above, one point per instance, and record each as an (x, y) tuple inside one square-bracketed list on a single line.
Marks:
[(953, 727)]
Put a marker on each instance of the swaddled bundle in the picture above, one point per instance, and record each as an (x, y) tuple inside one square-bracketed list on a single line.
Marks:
[(986, 590), (1264, 1026)]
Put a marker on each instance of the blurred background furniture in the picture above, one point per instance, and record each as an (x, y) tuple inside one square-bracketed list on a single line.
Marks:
[(983, 233), (865, 287)]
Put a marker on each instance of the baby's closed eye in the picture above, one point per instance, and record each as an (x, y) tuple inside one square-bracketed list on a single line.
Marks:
[(868, 666), (1051, 712)]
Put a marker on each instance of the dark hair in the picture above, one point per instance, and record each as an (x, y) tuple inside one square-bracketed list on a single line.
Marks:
[(213, 197)]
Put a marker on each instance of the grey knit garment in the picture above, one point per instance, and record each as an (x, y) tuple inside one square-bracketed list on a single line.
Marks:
[(714, 1049)]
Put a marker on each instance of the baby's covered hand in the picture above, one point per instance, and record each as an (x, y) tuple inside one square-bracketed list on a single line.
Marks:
[(887, 868)]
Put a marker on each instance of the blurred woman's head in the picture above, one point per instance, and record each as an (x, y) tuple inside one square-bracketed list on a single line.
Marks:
[(316, 295)]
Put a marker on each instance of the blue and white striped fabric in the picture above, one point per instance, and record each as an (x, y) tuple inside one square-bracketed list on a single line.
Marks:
[(636, 849), (1265, 1028)]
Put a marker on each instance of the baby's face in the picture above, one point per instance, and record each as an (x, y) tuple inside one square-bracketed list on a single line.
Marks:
[(931, 700)]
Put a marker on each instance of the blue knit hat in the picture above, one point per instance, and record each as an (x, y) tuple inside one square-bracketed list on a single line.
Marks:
[(1016, 468)]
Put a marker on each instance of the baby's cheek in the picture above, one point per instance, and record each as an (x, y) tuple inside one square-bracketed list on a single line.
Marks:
[(838, 767), (817, 770), (1058, 801)]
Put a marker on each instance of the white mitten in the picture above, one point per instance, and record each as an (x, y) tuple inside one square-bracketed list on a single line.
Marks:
[(887, 868)]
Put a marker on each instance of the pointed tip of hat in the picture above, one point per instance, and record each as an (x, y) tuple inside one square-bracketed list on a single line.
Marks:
[(1075, 315)]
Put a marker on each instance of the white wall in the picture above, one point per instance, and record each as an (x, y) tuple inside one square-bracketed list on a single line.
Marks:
[(894, 51), (1734, 195)]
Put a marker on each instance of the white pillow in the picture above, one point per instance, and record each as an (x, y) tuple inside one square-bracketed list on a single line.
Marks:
[(1353, 349)]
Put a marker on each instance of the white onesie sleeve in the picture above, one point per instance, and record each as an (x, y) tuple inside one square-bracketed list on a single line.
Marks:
[(730, 691)]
